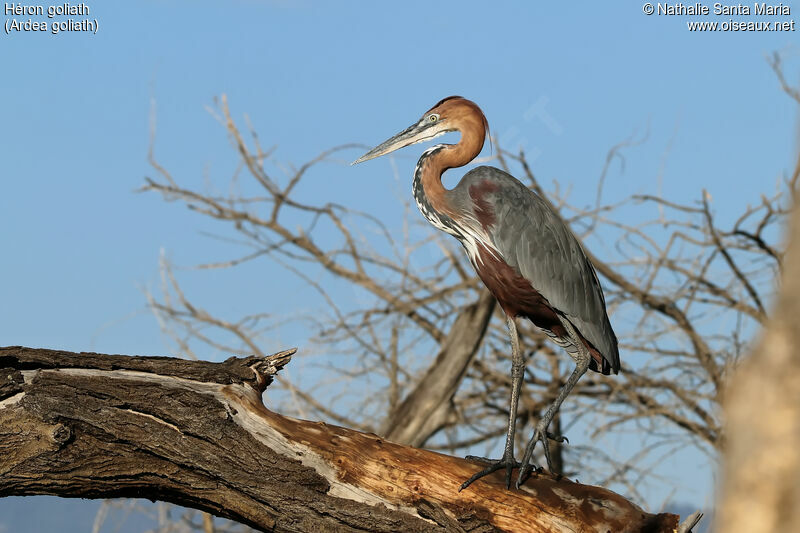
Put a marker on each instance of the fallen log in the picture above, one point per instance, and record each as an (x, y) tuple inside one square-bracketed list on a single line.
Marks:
[(197, 434)]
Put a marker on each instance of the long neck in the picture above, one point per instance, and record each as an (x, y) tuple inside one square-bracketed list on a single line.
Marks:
[(429, 192)]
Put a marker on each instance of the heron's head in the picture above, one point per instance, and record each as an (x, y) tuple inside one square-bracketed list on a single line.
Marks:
[(454, 113)]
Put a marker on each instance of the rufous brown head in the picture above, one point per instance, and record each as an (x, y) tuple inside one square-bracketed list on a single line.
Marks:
[(454, 113)]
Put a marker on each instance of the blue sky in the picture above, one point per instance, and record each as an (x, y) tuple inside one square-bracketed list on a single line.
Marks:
[(566, 81)]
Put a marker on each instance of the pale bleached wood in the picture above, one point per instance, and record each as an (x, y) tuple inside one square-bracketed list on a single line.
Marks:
[(761, 467), (197, 434)]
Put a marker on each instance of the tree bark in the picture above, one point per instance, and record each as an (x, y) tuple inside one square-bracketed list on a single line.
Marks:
[(429, 406), (761, 469), (197, 434)]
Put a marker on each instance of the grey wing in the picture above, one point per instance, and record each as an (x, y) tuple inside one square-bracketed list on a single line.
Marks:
[(534, 240)]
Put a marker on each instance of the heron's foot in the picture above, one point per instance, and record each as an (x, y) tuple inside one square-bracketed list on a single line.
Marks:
[(557, 438), (526, 466), (508, 462)]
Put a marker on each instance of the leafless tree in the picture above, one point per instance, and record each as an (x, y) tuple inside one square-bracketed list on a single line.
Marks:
[(418, 357)]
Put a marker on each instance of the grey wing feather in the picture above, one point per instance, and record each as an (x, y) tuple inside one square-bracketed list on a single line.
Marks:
[(534, 240)]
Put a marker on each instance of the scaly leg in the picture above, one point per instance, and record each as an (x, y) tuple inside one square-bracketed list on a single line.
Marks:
[(517, 371), (582, 359)]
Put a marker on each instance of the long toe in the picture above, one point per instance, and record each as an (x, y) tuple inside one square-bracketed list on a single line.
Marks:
[(484, 460), (485, 472), (525, 468), (494, 465)]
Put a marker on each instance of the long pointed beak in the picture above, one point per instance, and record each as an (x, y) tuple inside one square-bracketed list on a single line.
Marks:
[(413, 134)]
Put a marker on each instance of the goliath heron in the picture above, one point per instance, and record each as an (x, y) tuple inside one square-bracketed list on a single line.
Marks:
[(522, 251)]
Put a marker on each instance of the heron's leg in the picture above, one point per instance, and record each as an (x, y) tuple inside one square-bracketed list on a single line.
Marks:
[(517, 371), (582, 359)]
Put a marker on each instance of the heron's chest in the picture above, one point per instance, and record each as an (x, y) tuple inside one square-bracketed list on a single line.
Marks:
[(439, 221), (448, 212)]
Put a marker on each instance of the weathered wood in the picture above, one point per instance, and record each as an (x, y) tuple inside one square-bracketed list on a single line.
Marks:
[(761, 468), (429, 406), (197, 434)]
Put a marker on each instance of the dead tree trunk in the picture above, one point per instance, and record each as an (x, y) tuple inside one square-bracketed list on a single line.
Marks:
[(197, 434), (429, 406), (761, 468)]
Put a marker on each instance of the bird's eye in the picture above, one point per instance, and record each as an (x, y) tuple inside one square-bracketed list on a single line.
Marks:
[(433, 118)]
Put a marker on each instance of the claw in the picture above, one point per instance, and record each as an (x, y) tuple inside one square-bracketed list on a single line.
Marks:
[(525, 473), (509, 463)]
